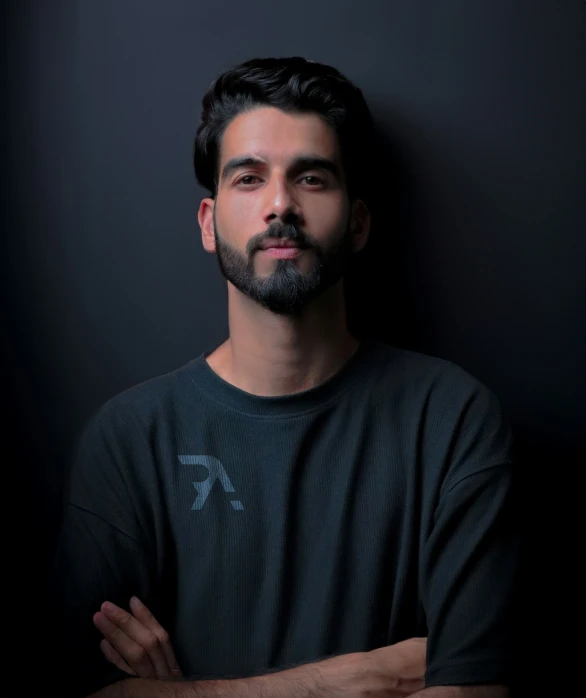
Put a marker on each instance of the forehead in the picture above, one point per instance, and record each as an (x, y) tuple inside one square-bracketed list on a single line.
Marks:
[(278, 135)]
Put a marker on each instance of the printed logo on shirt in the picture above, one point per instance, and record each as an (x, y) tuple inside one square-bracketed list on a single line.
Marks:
[(216, 472)]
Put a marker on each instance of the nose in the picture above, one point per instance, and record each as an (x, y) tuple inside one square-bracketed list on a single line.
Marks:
[(280, 202)]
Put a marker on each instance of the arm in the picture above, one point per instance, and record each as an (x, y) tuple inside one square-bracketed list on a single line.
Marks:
[(468, 557), (393, 671), (302, 682), (93, 562), (463, 692), (101, 555)]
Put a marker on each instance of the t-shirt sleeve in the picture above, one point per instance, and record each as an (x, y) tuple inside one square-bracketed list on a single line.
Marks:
[(101, 555), (470, 553)]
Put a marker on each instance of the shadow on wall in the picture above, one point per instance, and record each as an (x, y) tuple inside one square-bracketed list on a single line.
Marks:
[(378, 300)]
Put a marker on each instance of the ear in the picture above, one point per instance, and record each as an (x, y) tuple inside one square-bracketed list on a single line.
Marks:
[(360, 225), (205, 216)]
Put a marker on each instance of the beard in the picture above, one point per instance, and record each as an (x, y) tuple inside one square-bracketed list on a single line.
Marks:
[(286, 290)]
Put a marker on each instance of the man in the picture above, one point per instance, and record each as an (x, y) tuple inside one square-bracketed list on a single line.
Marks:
[(292, 512)]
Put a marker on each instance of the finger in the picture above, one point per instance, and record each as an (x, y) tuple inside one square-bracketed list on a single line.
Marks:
[(142, 635), (142, 613), (115, 657), (132, 653)]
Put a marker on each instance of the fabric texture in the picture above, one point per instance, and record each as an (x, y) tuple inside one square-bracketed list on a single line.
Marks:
[(268, 531)]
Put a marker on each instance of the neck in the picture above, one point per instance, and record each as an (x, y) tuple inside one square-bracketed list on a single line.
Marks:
[(271, 355)]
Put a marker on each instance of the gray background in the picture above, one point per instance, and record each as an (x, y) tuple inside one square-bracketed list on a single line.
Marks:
[(477, 256)]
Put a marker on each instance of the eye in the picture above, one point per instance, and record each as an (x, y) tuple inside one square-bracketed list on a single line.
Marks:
[(246, 180), (312, 180)]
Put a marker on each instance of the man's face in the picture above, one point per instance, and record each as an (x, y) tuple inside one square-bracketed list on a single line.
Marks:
[(280, 182)]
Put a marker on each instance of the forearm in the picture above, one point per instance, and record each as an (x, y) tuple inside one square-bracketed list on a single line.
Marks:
[(307, 681), (463, 692), (154, 688)]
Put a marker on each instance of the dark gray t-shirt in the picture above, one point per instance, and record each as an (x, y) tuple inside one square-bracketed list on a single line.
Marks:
[(268, 531)]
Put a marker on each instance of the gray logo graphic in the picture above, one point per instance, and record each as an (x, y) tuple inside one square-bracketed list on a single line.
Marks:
[(216, 472)]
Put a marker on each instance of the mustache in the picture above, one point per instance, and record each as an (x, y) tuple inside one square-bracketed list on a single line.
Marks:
[(280, 231)]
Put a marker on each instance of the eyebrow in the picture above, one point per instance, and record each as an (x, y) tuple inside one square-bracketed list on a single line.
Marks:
[(299, 164)]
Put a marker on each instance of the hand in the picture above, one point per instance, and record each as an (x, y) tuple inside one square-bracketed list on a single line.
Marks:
[(405, 661), (136, 643), (394, 671)]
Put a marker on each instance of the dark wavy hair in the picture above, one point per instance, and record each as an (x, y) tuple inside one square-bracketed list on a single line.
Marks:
[(294, 85)]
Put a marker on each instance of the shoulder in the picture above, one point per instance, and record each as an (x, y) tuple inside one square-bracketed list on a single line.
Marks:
[(452, 415), (425, 377), (145, 404), (125, 429), (116, 448)]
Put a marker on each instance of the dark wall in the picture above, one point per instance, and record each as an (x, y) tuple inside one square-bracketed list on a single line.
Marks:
[(477, 256)]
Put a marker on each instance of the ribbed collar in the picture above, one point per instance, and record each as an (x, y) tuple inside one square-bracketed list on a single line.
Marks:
[(353, 373)]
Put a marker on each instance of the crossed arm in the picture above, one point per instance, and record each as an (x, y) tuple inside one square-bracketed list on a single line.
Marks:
[(301, 685), (137, 644)]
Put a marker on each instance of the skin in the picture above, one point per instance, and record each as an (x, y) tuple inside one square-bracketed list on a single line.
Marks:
[(267, 353), (136, 642)]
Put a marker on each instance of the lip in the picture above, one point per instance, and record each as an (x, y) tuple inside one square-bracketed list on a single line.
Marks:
[(283, 251), (278, 243)]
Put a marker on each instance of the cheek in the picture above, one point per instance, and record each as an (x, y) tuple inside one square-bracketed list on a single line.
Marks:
[(241, 208), (237, 219), (325, 215)]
